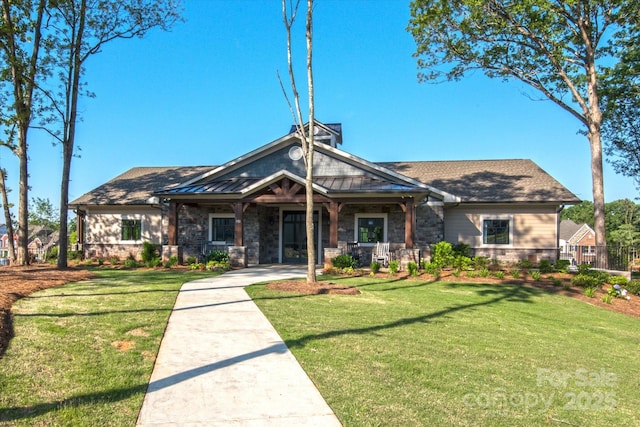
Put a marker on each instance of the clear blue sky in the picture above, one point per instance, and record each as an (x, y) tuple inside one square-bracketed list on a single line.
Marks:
[(207, 92)]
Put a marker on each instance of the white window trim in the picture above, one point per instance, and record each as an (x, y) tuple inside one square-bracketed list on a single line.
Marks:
[(370, 215), (134, 217), (217, 215), (483, 218)]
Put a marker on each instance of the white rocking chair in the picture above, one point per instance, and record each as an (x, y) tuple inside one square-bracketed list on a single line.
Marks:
[(381, 254)]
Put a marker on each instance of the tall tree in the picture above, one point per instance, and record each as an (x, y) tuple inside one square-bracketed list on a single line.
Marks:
[(562, 49), (81, 28), (306, 136), (21, 39), (42, 212)]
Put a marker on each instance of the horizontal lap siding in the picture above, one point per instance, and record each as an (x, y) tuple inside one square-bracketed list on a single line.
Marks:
[(533, 227), (104, 225)]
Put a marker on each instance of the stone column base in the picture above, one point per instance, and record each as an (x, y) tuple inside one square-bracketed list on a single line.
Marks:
[(238, 256)]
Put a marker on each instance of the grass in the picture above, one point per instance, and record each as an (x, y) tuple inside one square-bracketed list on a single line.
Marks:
[(83, 353), (407, 353)]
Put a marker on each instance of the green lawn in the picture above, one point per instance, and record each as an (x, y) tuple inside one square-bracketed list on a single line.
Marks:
[(415, 353), (83, 353)]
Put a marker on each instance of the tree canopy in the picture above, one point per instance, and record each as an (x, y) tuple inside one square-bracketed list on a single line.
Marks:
[(562, 49)]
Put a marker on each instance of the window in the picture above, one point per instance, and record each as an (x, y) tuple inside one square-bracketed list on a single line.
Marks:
[(371, 228), (496, 231), (223, 229), (131, 229)]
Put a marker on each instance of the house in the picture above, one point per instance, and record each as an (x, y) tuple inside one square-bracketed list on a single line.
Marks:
[(41, 241), (577, 243), (254, 206)]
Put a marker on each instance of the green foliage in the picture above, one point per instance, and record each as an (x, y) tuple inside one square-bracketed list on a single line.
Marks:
[(412, 268), (462, 262), (545, 266), (462, 249), (581, 213), (191, 260), (393, 266), (114, 260), (217, 256), (607, 298), (375, 266), (42, 212), (590, 292), (536, 275), (585, 281), (442, 254), (131, 262), (480, 262), (219, 266), (52, 254), (499, 275), (149, 252), (430, 268), (562, 265), (484, 272), (618, 280), (171, 262), (633, 287), (344, 261), (525, 263), (515, 273)]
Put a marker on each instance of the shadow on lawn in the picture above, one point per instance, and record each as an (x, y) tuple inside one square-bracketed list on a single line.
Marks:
[(511, 293), (106, 397)]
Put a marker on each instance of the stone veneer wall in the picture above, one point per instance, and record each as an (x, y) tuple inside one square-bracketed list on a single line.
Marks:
[(269, 234), (251, 235)]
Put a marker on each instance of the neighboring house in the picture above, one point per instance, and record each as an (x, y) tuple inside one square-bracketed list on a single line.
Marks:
[(254, 206), (4, 245), (577, 242)]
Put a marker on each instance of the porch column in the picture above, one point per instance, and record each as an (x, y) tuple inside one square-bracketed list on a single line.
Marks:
[(238, 210), (409, 221), (333, 224), (172, 232), (80, 226)]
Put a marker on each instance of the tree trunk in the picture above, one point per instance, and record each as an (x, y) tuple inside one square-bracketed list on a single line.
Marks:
[(311, 261), (7, 216), (68, 142)]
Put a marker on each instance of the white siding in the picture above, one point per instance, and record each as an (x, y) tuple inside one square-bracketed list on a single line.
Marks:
[(103, 224)]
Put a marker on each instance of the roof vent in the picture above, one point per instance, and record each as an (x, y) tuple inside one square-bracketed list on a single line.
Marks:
[(329, 133)]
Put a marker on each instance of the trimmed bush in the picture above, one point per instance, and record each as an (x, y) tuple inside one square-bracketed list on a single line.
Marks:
[(375, 267), (344, 261), (412, 268), (393, 266)]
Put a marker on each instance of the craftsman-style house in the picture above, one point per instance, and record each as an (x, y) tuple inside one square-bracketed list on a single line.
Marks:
[(253, 206)]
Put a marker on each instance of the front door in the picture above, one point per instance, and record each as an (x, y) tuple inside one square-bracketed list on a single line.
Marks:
[(294, 236)]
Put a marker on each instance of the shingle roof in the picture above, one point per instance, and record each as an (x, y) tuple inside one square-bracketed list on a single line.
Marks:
[(488, 181), (567, 229), (136, 185), (476, 181)]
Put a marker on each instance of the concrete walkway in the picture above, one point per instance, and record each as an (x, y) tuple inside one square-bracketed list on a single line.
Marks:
[(221, 363)]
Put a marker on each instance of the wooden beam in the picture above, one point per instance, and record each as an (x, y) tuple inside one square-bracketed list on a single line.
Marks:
[(238, 210), (173, 224), (409, 223), (333, 224)]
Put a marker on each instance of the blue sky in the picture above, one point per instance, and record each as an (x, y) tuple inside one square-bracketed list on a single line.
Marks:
[(207, 92)]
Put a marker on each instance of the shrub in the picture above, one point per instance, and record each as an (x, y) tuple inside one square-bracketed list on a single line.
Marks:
[(149, 252), (536, 275), (217, 265), (480, 262), (499, 275), (114, 260), (562, 265), (393, 266), (618, 280), (484, 272), (412, 268), (217, 256), (462, 249), (607, 298), (442, 254), (131, 262), (52, 254), (585, 281), (375, 267), (430, 268), (634, 287), (344, 261), (191, 260), (545, 266), (462, 262), (557, 282), (525, 263), (153, 262), (590, 292)]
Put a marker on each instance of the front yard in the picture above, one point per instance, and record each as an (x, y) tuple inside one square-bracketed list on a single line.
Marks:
[(414, 352)]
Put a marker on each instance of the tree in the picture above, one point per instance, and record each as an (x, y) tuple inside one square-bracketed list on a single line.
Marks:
[(621, 110), (80, 29), (306, 137), (21, 40), (562, 49), (580, 214), (42, 212)]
